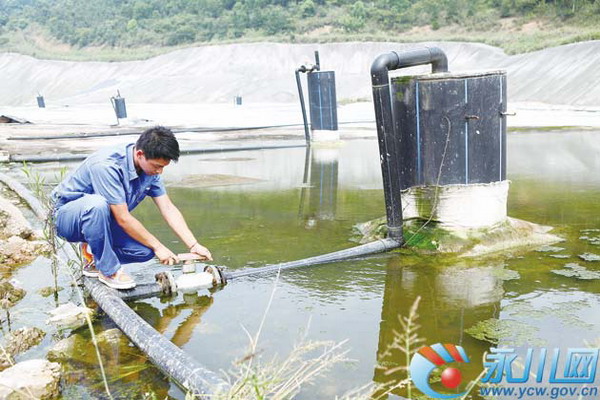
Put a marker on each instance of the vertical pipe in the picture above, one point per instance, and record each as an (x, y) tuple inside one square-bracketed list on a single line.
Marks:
[(388, 142), (317, 62), (306, 131), (389, 156)]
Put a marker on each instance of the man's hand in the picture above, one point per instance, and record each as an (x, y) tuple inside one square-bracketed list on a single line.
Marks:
[(202, 251), (165, 256)]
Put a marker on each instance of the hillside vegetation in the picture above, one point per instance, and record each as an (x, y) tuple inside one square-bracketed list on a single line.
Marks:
[(51, 26)]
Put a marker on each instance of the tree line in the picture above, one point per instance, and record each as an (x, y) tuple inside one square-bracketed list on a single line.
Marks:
[(132, 23)]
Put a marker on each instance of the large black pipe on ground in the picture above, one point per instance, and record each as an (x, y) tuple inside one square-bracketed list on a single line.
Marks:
[(388, 142)]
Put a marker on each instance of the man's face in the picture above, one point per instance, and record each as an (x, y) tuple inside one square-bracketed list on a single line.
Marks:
[(152, 166)]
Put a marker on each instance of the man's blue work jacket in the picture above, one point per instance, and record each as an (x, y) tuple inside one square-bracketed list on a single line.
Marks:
[(110, 173)]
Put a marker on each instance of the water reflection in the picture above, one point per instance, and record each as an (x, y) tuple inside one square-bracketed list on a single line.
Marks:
[(555, 182), (320, 185), (555, 156), (177, 321), (129, 373), (453, 297)]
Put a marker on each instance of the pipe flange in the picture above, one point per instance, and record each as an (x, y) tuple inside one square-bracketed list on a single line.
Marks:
[(167, 282), (217, 274)]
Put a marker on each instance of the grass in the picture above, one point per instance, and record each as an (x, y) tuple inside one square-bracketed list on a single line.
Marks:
[(514, 36), (251, 378), (73, 266)]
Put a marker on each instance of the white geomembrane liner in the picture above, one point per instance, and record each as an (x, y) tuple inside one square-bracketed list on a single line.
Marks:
[(477, 205)]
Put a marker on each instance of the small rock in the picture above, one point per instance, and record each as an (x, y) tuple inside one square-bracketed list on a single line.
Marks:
[(69, 316), (110, 336), (16, 250), (10, 293), (48, 290), (36, 379), (12, 221), (65, 348), (18, 342)]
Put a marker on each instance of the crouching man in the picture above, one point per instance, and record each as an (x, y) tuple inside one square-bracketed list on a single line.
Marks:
[(93, 205)]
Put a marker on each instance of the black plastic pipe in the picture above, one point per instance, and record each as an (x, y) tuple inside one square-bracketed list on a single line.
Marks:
[(78, 157), (137, 132), (302, 106), (84, 135), (396, 60), (36, 206), (384, 119), (140, 291), (174, 362), (377, 246)]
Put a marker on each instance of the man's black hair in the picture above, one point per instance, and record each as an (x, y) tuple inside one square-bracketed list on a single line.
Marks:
[(158, 142)]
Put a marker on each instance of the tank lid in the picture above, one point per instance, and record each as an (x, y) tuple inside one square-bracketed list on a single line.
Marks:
[(450, 75)]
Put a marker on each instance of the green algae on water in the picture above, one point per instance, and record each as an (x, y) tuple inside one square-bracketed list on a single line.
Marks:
[(505, 274), (566, 312), (589, 257), (574, 270), (561, 256), (510, 332), (548, 249)]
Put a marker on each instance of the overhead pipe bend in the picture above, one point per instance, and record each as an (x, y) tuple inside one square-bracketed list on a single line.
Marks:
[(388, 143), (396, 60)]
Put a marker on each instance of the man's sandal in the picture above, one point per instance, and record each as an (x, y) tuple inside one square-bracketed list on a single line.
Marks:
[(120, 280)]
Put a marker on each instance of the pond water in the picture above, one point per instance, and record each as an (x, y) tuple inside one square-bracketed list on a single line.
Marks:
[(259, 207)]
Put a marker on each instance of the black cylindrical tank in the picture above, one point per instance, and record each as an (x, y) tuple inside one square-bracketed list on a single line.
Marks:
[(322, 100), (119, 106), (40, 101), (451, 128)]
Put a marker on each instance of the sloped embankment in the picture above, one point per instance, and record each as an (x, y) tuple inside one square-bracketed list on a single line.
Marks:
[(264, 72)]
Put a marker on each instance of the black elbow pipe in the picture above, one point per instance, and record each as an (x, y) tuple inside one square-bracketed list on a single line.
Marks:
[(388, 142), (410, 58)]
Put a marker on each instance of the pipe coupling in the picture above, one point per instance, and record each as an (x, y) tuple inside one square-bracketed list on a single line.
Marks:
[(217, 274), (167, 282)]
